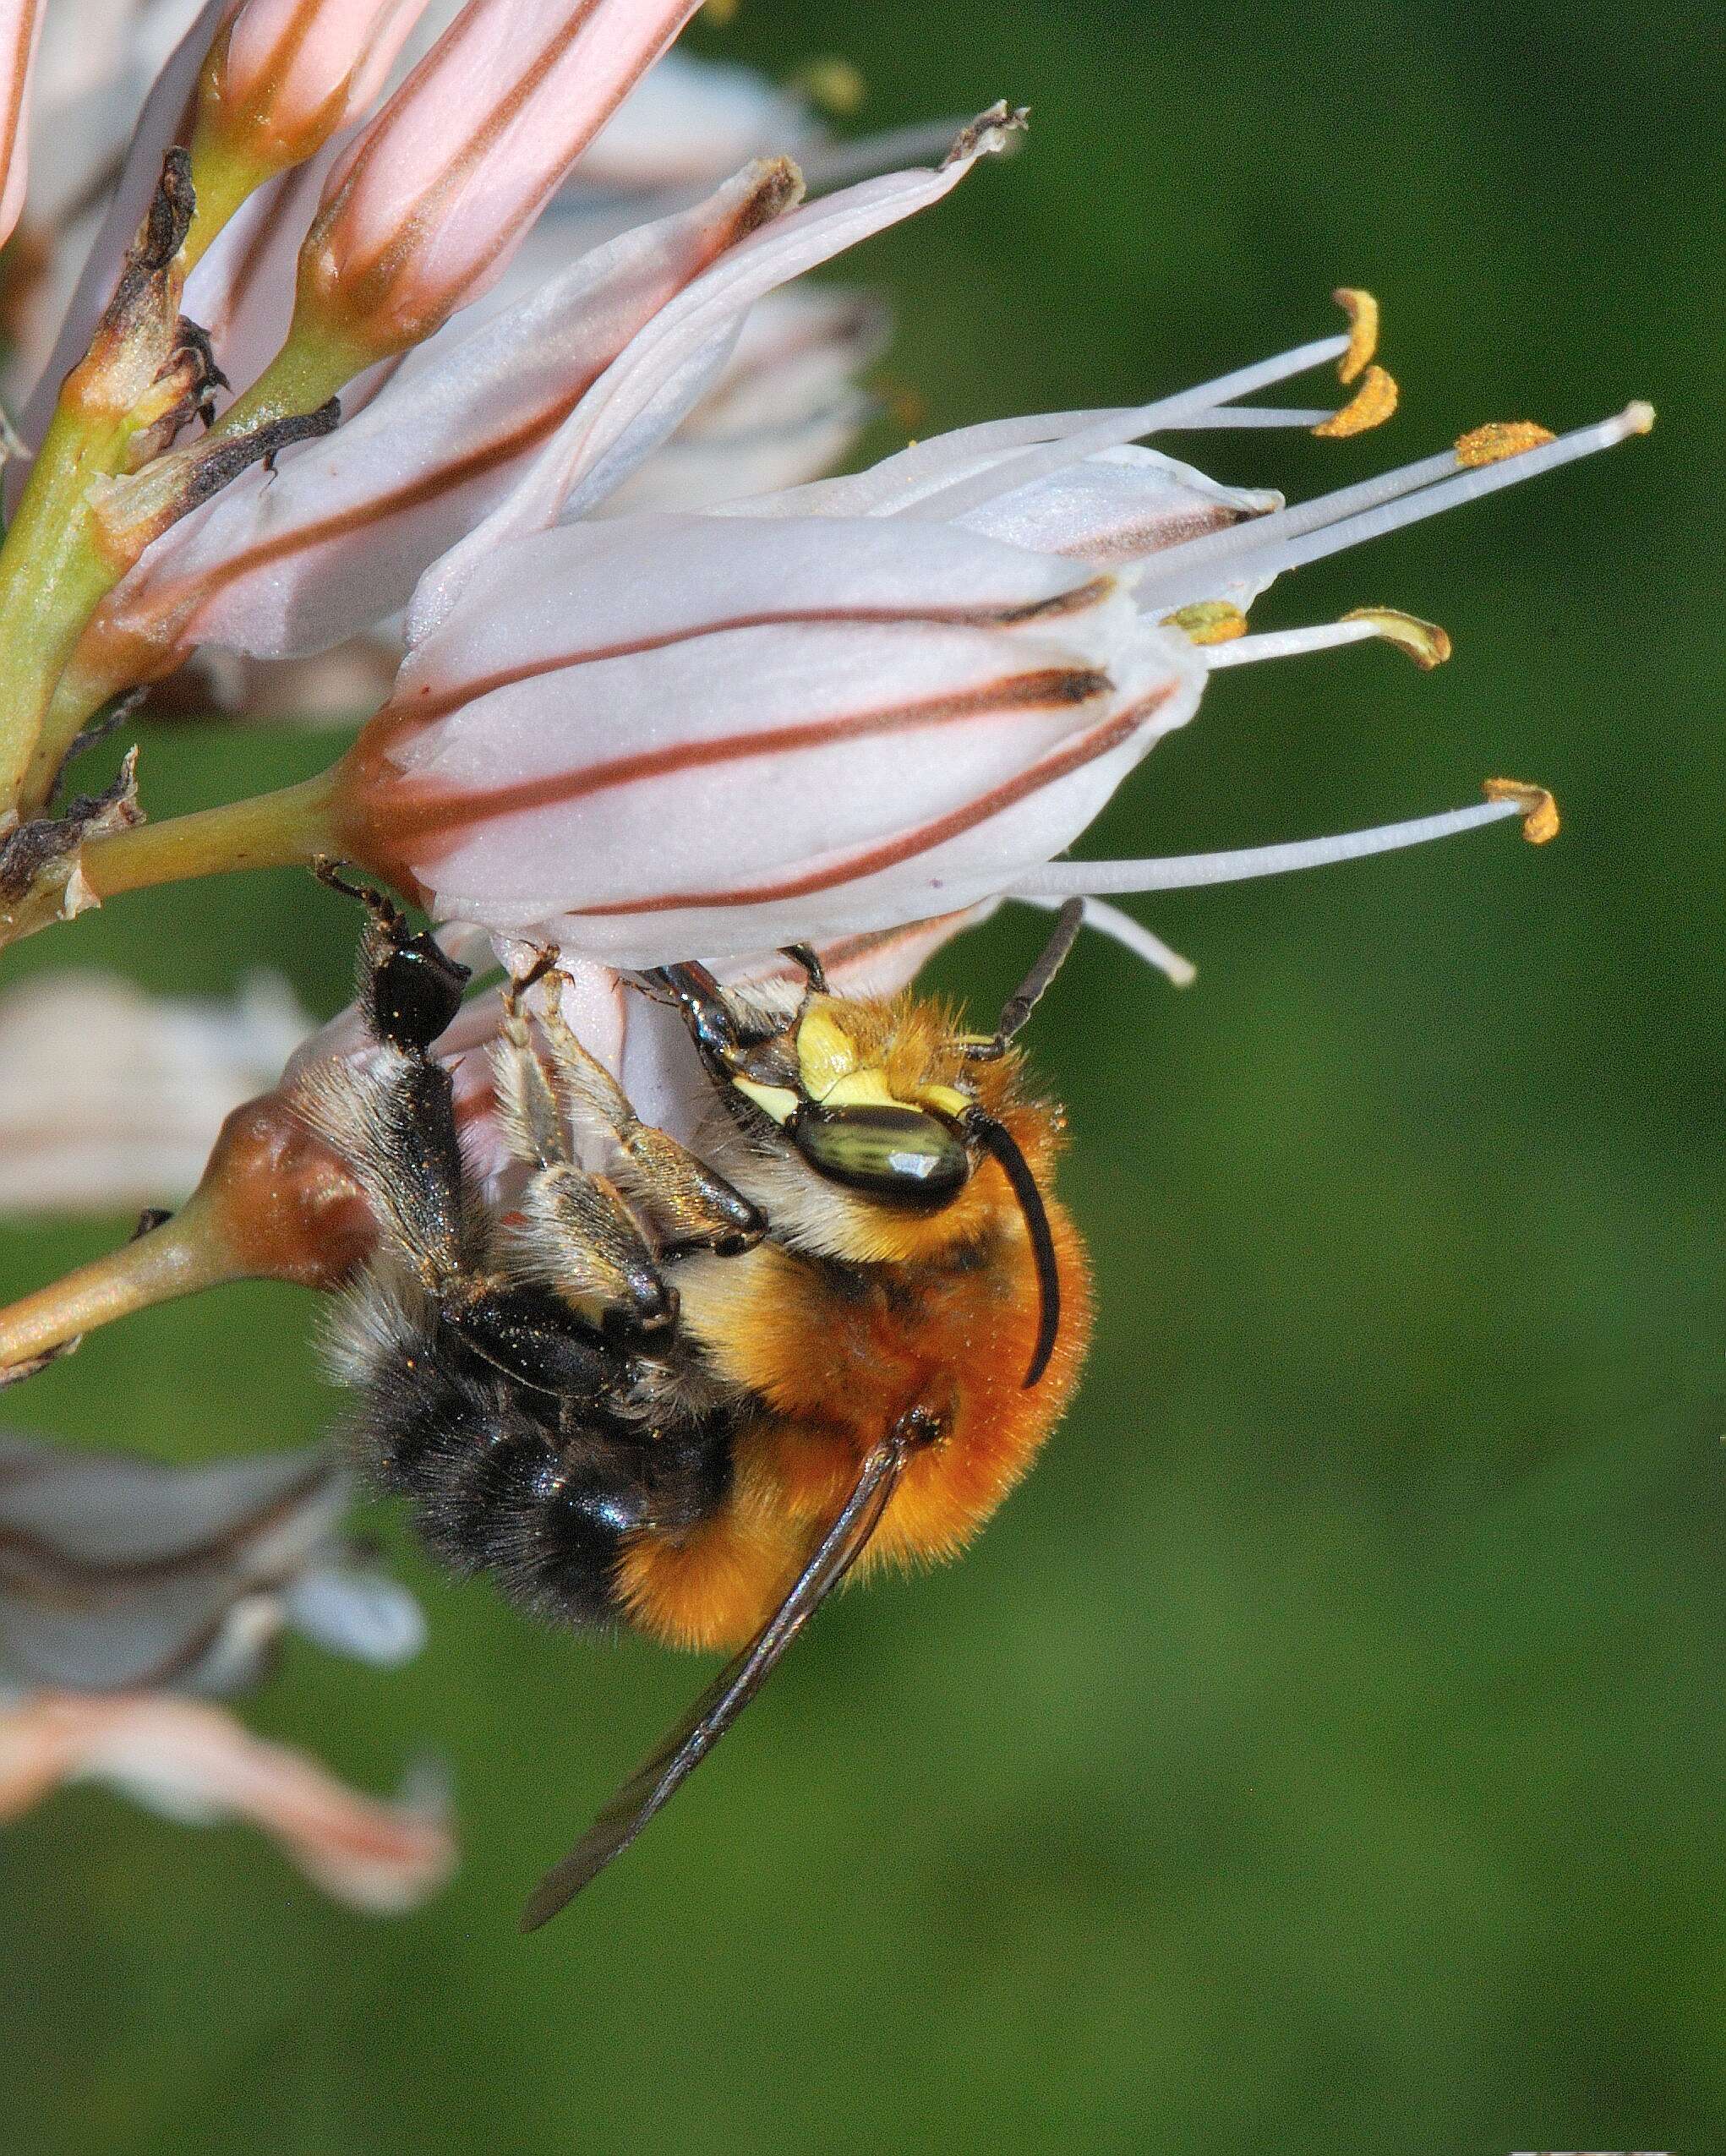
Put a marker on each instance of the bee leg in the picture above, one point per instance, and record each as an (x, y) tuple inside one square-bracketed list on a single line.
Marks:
[(690, 1208), (394, 1121), (409, 989), (578, 1237)]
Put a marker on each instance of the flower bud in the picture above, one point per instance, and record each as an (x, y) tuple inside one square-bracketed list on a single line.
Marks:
[(284, 75), (424, 210)]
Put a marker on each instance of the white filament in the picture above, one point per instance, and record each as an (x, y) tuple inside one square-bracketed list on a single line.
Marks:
[(1274, 557), (1185, 872), (1133, 935), (1287, 643), (1175, 567)]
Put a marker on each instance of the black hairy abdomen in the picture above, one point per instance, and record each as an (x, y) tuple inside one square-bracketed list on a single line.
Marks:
[(539, 1493)]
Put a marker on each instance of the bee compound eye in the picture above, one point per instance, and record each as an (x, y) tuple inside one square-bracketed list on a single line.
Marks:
[(416, 993), (897, 1154)]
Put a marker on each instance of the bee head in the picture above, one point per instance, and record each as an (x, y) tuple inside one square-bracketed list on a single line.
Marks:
[(889, 1101)]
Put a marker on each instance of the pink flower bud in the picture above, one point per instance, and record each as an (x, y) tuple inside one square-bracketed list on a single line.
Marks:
[(20, 26), (427, 206), (289, 72)]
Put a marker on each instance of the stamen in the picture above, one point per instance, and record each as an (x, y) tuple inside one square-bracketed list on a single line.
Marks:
[(1424, 642), (1207, 621), (833, 83), (1186, 872), (1500, 438), (1371, 406), (1362, 312), (1133, 935), (1467, 485), (1113, 428), (1539, 811)]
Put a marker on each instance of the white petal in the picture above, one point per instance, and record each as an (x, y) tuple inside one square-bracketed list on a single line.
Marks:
[(196, 1764)]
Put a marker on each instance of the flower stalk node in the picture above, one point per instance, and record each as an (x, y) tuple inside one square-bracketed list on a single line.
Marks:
[(131, 511), (1540, 816), (42, 873)]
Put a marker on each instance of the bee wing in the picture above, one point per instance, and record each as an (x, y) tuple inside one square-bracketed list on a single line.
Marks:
[(661, 1775)]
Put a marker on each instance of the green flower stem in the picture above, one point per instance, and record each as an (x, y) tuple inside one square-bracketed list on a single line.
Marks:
[(76, 700), (53, 578), (285, 829), (184, 1256), (308, 371)]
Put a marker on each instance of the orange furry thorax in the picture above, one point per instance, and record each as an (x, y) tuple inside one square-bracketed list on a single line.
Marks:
[(943, 1313)]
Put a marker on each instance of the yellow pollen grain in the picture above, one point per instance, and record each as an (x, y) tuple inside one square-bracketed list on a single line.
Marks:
[(1207, 621), (1424, 641), (1502, 438), (1540, 816), (1371, 406), (1362, 312), (834, 84)]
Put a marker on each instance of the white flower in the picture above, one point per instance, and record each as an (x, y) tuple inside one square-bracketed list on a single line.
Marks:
[(111, 1099), (125, 1587)]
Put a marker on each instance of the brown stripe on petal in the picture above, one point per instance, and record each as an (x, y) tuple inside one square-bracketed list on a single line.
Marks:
[(429, 705), (13, 119), (1086, 750), (33, 1563), (393, 823)]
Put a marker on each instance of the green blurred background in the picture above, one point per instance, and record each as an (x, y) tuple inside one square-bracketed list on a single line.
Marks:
[(1326, 1750)]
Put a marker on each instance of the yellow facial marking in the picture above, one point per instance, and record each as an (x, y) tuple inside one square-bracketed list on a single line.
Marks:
[(1207, 621), (1371, 406), (861, 1089), (1362, 312), (826, 1053), (777, 1101), (1540, 817), (1425, 642), (947, 1100), (1504, 438)]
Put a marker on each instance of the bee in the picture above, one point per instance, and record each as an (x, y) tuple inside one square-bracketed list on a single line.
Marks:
[(693, 1390)]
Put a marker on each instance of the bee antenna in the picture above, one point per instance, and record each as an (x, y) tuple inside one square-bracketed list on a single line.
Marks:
[(999, 1142), (1031, 991)]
